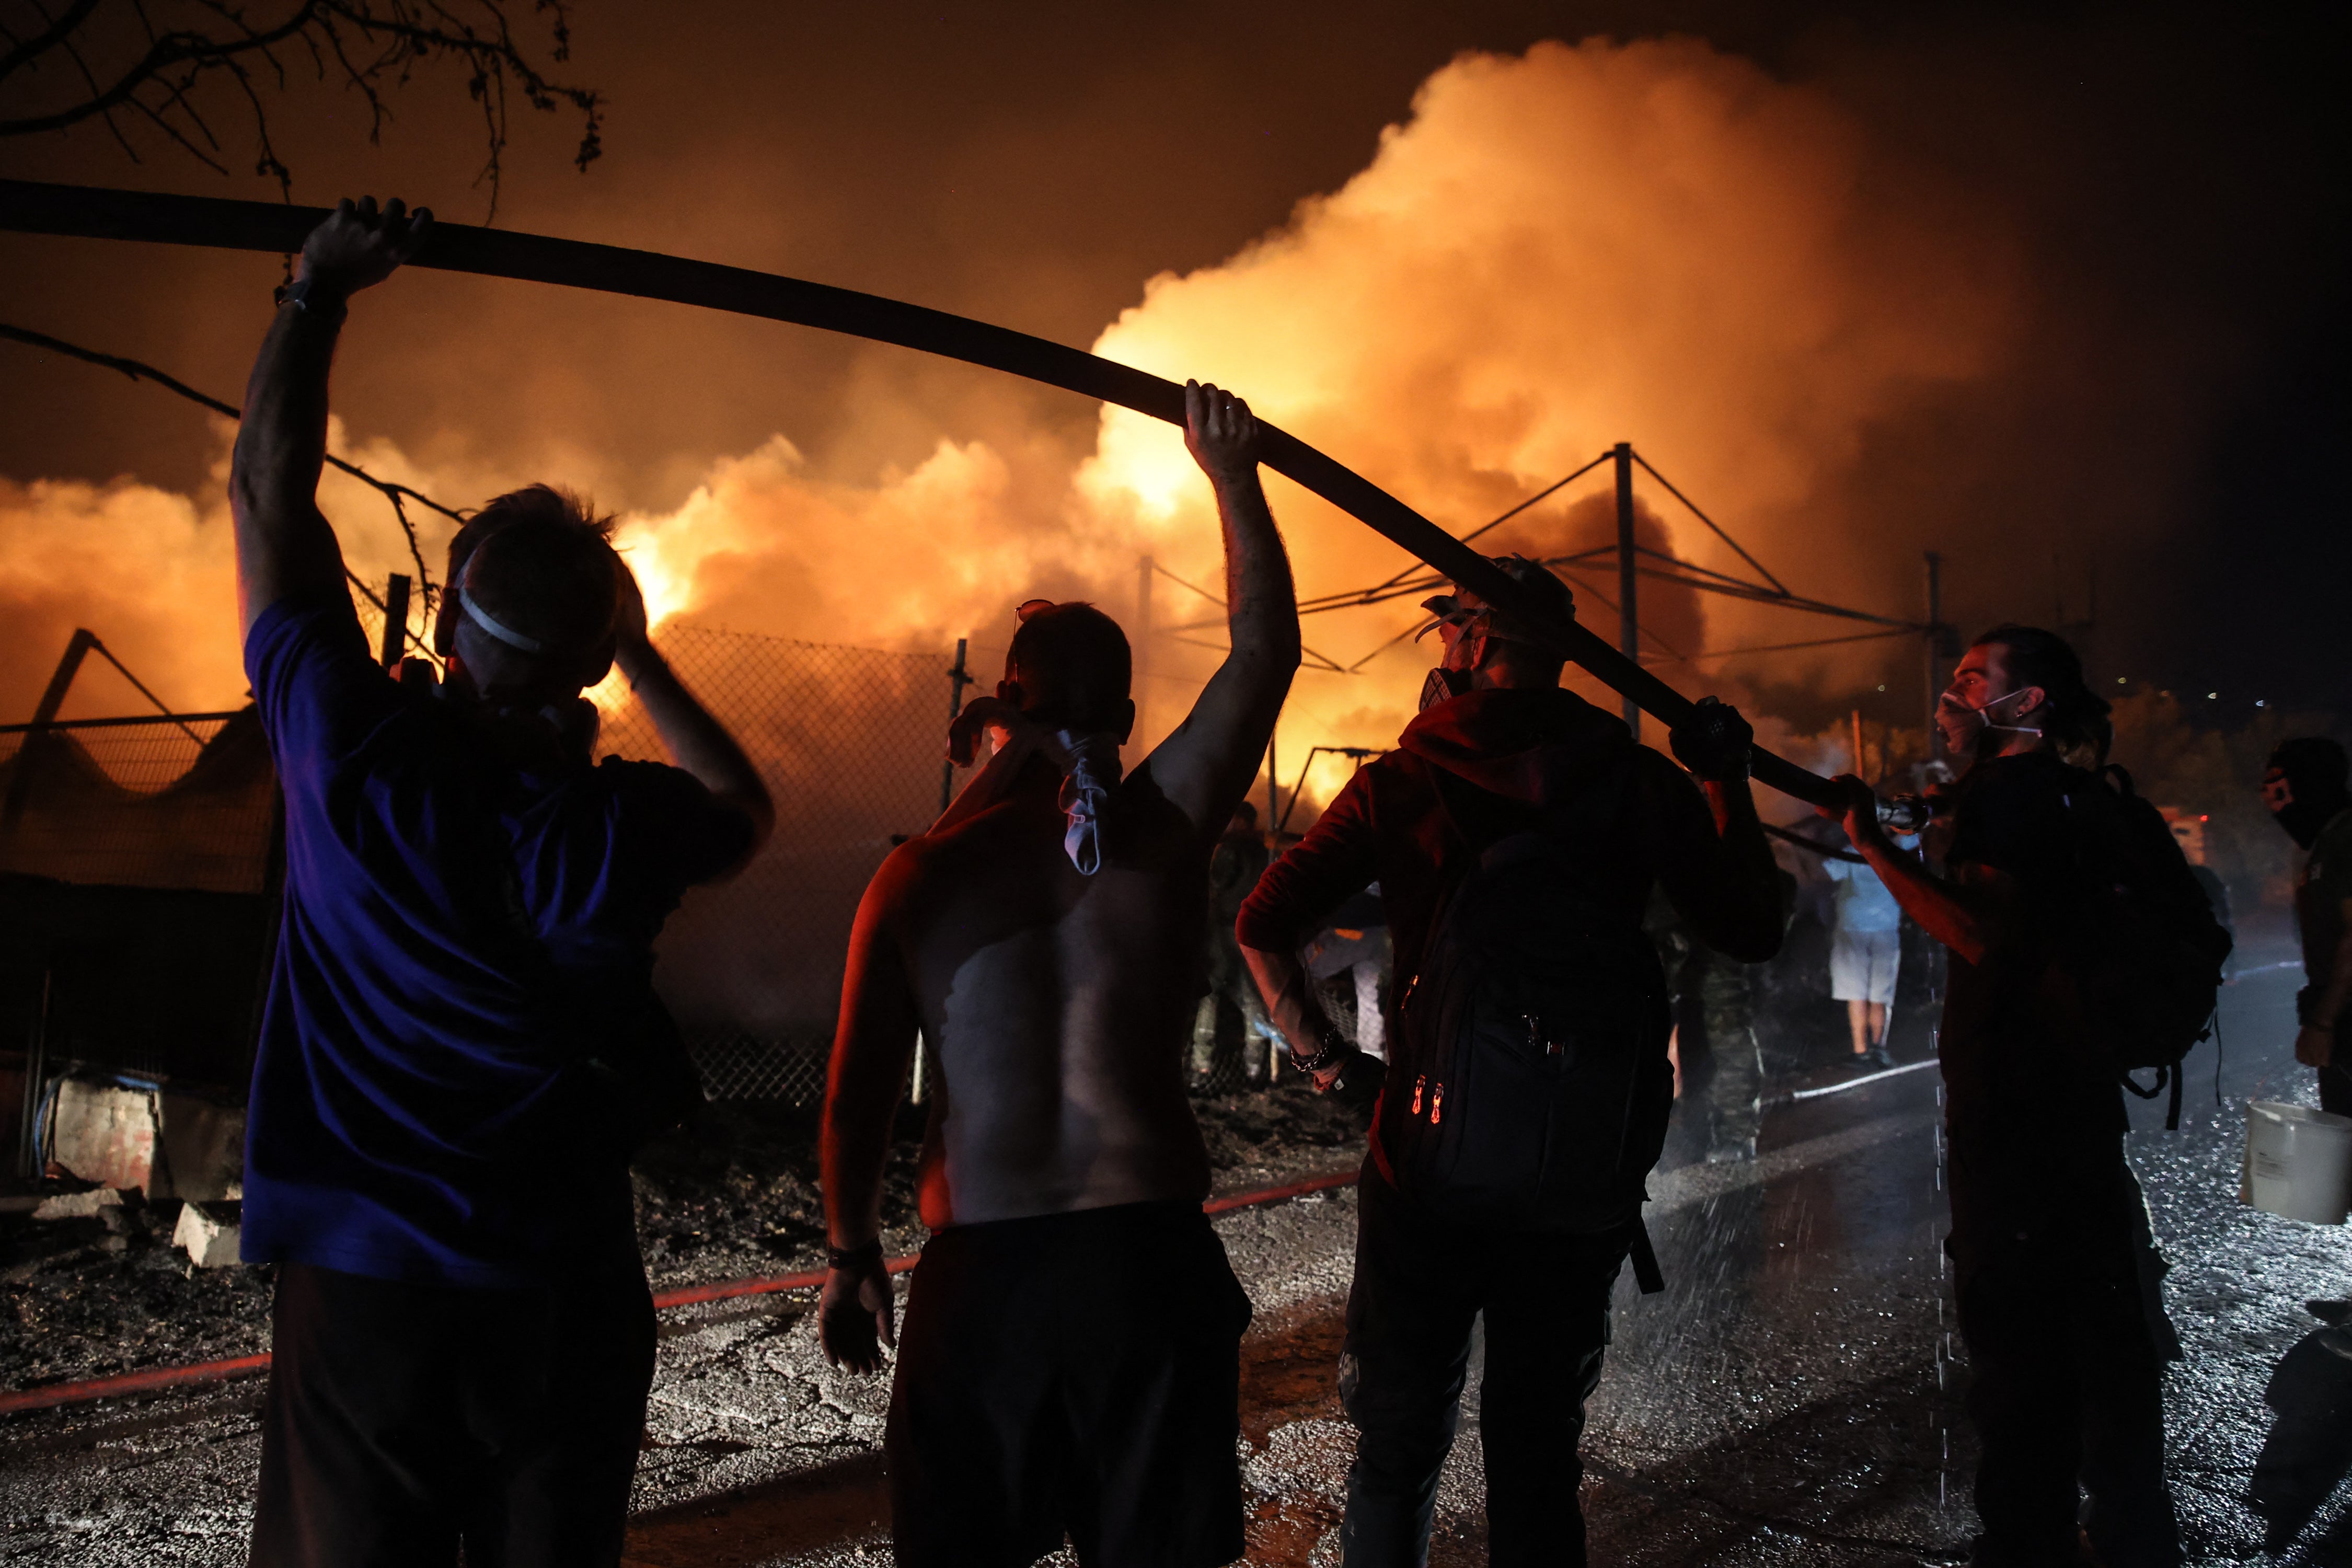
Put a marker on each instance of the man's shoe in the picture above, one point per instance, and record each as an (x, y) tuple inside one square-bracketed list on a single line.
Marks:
[(1731, 1152), (1879, 1057)]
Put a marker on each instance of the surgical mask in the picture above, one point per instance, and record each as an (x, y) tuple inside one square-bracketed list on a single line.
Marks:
[(1966, 728)]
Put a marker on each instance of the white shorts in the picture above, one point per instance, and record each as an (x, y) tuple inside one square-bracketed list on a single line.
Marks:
[(1863, 965)]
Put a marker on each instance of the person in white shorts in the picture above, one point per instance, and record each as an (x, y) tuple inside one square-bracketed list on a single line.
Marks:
[(1865, 951)]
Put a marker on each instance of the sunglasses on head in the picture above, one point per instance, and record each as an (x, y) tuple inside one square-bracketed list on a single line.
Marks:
[(1029, 607)]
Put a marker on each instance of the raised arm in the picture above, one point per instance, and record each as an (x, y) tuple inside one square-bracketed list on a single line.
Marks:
[(872, 1046), (694, 741), (1334, 862), (1206, 765), (284, 547)]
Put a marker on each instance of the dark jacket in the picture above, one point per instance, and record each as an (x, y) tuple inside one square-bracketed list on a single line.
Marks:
[(1518, 752)]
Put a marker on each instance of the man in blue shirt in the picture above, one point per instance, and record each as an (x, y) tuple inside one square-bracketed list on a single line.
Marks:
[(461, 1044), (1866, 952)]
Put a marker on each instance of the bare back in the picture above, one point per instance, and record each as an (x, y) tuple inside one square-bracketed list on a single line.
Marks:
[(1056, 1007)]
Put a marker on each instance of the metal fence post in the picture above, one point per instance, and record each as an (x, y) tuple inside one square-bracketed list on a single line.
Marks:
[(958, 678), (1629, 625), (395, 620)]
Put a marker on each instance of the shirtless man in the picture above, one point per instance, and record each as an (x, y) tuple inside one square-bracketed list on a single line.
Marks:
[(1071, 1355)]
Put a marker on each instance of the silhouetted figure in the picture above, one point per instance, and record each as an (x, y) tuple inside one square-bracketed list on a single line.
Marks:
[(1072, 1353), (1515, 834), (2310, 1444), (2047, 1267), (2304, 787), (461, 1045), (1230, 1033), (1866, 952)]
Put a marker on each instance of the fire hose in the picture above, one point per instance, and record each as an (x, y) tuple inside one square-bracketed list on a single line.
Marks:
[(86, 212)]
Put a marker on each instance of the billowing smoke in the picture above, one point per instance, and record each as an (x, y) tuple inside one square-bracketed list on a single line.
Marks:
[(1652, 242)]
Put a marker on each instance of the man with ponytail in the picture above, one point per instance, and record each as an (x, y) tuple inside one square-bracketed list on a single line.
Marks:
[(2066, 1388)]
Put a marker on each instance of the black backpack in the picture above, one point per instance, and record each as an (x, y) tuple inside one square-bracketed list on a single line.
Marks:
[(1529, 1088), (2138, 962)]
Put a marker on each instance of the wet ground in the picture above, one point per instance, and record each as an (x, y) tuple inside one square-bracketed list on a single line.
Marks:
[(1792, 1396)]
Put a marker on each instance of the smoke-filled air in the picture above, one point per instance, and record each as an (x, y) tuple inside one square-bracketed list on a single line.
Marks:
[(1654, 243)]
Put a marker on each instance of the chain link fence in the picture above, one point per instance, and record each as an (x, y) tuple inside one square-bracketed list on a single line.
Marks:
[(850, 742)]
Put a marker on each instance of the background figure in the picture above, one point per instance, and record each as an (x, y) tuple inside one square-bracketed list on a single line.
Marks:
[(1725, 993), (2304, 787), (1231, 1021), (1866, 952), (1718, 1060), (1349, 961), (2309, 1447)]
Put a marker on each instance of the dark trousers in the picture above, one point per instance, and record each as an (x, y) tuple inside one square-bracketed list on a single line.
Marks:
[(2067, 1392), (403, 1418), (2336, 1087), (1420, 1282), (1074, 1374)]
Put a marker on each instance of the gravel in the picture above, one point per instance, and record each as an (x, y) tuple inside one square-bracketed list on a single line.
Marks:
[(737, 1199)]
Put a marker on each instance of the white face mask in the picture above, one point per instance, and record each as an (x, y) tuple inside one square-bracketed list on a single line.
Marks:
[(1964, 728)]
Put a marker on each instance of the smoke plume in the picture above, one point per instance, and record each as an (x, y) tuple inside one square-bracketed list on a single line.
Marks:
[(1652, 242)]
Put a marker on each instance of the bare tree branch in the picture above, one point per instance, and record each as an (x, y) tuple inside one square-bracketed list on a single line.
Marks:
[(398, 494), (160, 73)]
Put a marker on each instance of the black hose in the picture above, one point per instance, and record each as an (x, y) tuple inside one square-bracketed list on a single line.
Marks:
[(31, 207)]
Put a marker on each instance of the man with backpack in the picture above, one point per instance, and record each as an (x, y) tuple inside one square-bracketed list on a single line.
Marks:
[(1515, 834), (2081, 948)]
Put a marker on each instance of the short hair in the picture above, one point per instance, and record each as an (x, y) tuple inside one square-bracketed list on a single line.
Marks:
[(2043, 659), (552, 574), (1071, 662), (2312, 764)]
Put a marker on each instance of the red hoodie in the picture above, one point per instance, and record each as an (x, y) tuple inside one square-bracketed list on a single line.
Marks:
[(1523, 751)]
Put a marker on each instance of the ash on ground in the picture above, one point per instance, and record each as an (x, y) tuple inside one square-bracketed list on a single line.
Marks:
[(737, 1199)]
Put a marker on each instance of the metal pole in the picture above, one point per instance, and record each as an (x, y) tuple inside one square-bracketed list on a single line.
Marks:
[(1629, 621), (37, 1069), (1935, 650), (1142, 666), (395, 620), (1273, 802), (30, 751), (958, 678)]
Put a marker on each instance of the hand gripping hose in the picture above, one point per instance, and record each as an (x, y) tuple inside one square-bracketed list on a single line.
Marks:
[(27, 207)]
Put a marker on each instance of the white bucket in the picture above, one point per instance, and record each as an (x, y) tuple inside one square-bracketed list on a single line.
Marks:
[(2298, 1162)]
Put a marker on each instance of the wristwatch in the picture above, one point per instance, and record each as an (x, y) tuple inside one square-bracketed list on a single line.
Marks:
[(306, 295)]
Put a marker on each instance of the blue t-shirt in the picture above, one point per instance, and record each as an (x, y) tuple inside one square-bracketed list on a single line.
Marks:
[(460, 939), (1864, 903)]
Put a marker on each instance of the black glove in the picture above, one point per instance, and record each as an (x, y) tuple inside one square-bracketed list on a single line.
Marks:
[(1714, 744)]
